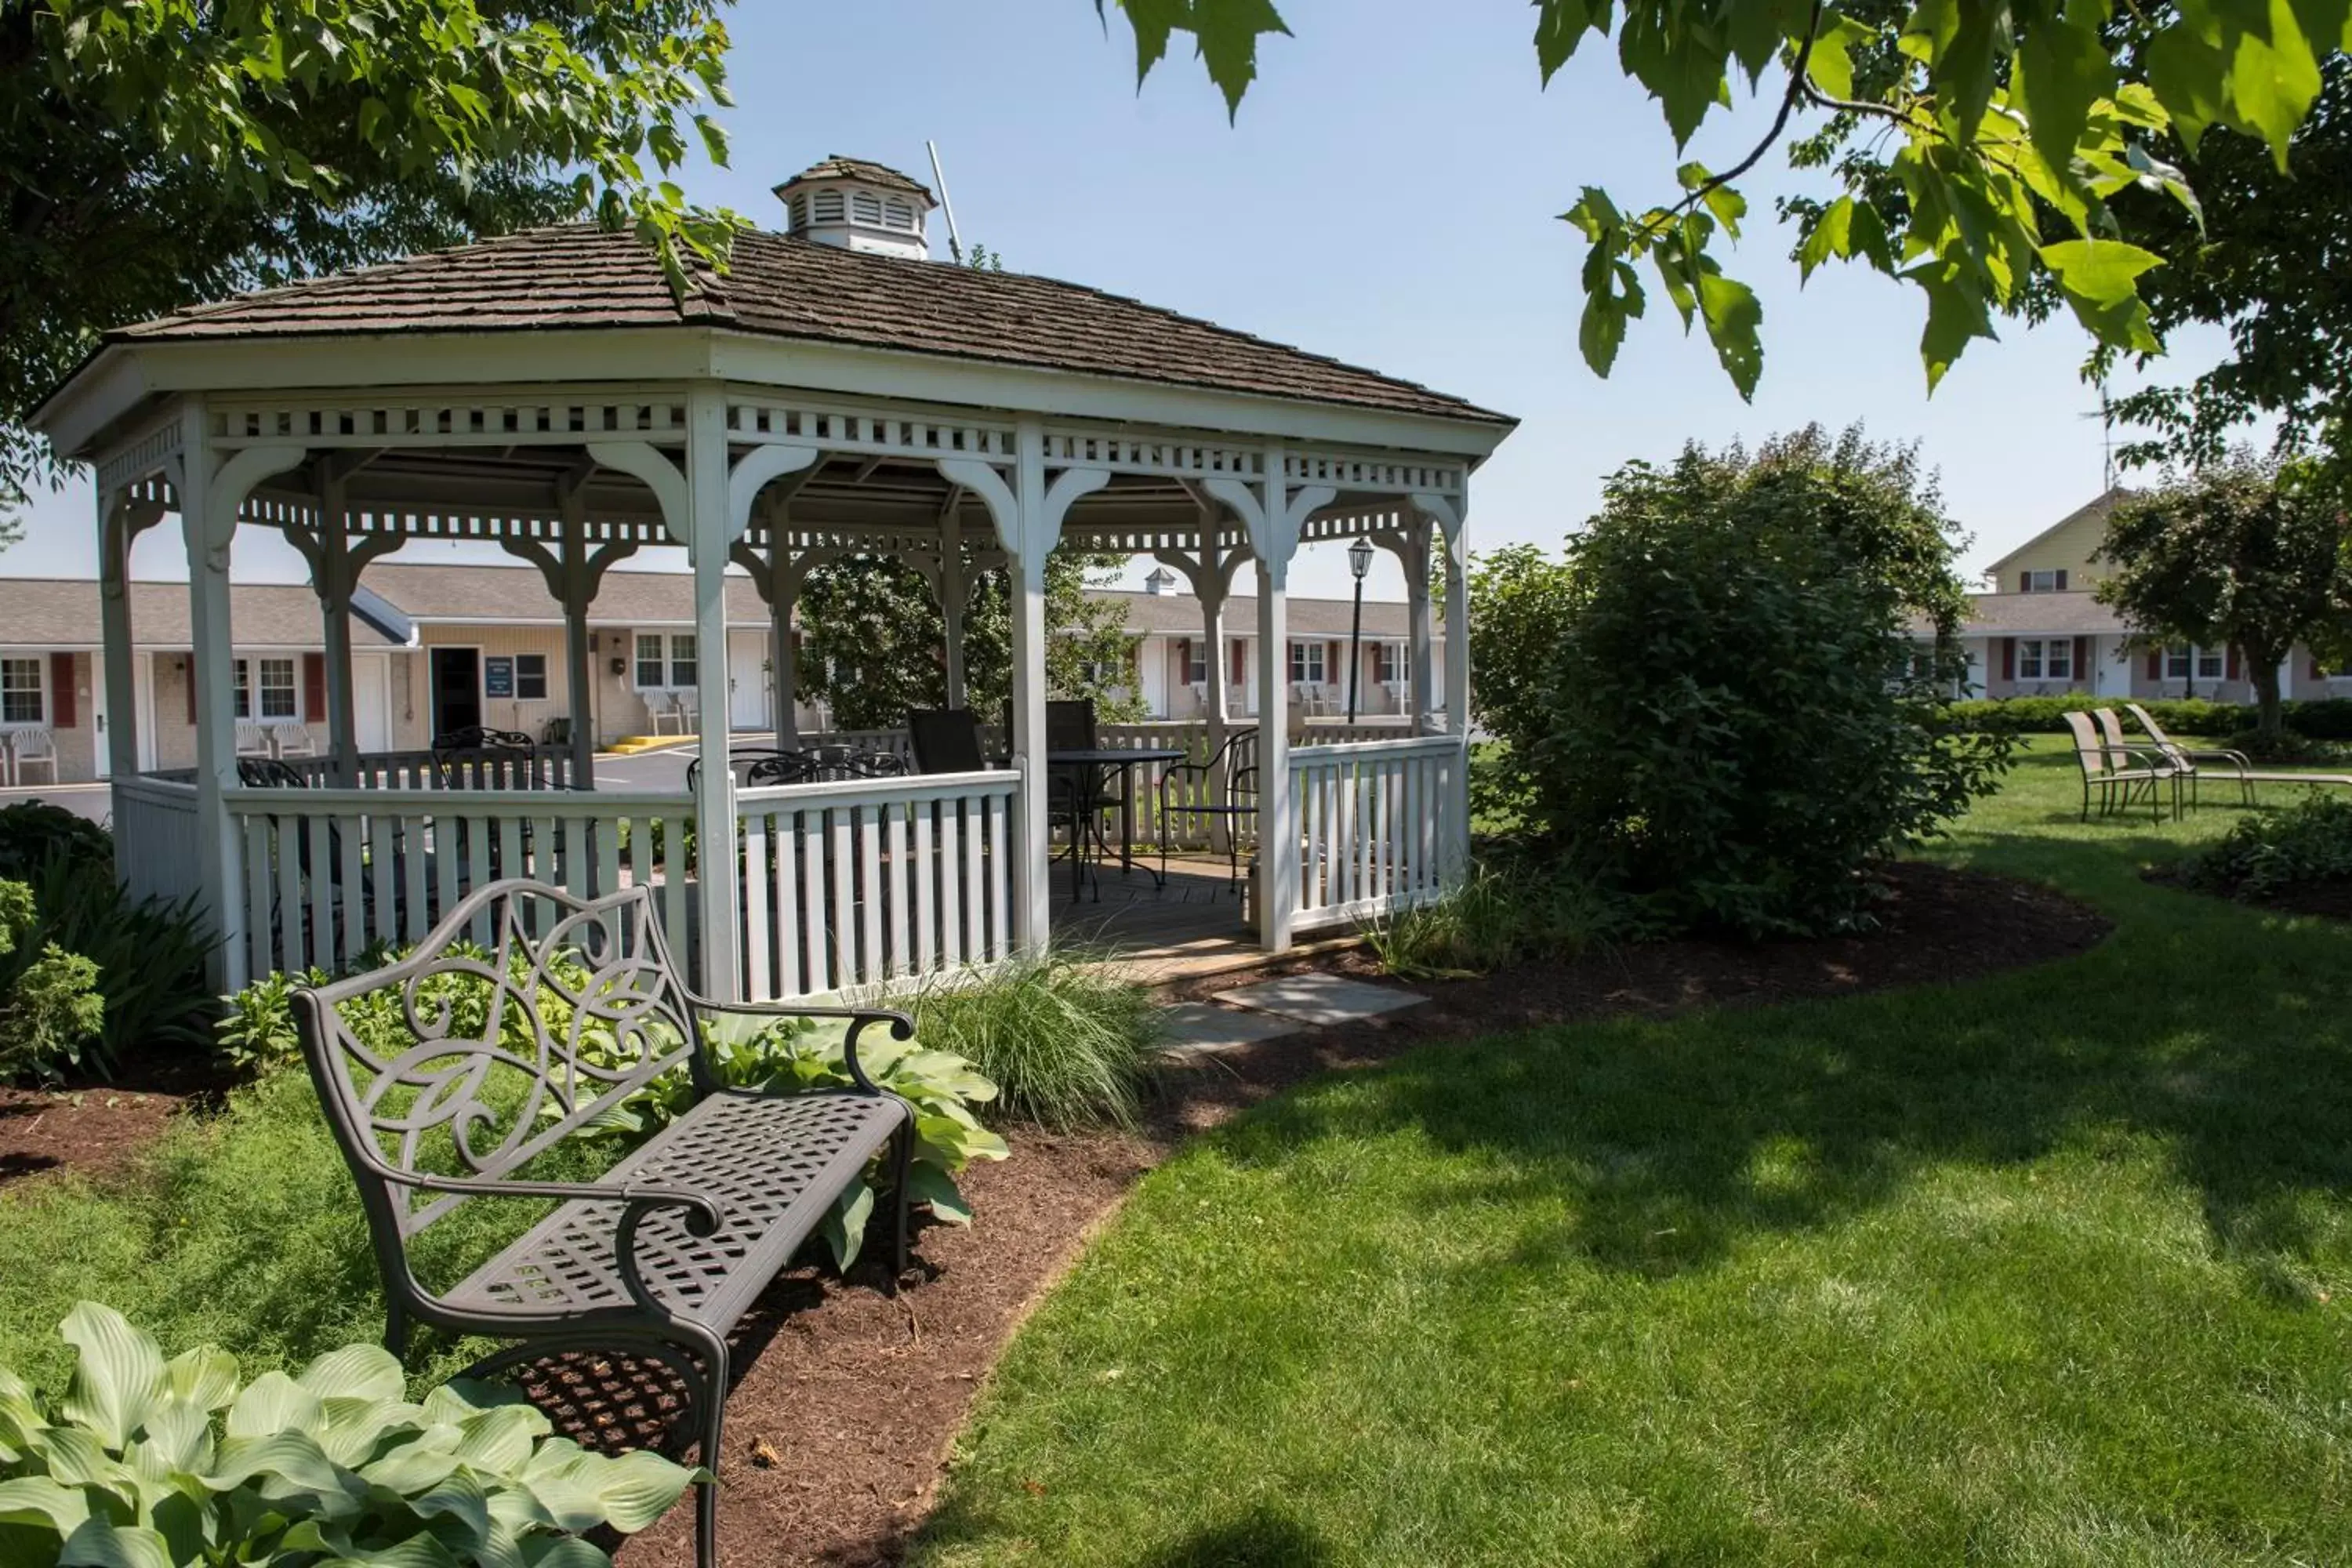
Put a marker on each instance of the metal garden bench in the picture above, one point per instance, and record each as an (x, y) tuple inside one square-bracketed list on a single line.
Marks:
[(525, 1016)]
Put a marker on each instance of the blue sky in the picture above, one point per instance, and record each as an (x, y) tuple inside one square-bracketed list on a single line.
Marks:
[(1387, 196)]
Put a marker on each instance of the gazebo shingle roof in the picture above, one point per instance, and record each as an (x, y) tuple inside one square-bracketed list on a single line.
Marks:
[(578, 276), (837, 167)]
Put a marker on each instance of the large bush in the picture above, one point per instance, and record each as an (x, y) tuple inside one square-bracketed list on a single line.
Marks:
[(2308, 844), (1738, 717)]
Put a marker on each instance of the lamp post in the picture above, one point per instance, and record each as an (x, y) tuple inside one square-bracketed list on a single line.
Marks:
[(1359, 562)]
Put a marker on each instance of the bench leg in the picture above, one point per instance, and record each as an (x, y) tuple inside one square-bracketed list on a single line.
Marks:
[(395, 1330), (705, 1500), (902, 1154)]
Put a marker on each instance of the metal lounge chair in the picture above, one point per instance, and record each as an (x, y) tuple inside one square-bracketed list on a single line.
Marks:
[(2115, 773), (2241, 770), (1188, 794)]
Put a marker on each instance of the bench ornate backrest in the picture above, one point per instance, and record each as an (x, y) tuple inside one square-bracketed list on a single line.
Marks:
[(526, 1015)]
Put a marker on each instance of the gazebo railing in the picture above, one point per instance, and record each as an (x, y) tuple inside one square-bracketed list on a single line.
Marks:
[(328, 873), (155, 838), (873, 883), (1380, 826)]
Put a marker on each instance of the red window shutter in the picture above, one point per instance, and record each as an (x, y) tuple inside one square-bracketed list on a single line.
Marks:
[(2233, 664), (2025, 581), (188, 685), (314, 688), (1185, 654), (2155, 664), (2082, 657), (2061, 579), (61, 691), (1241, 664), (2009, 658), (1331, 659)]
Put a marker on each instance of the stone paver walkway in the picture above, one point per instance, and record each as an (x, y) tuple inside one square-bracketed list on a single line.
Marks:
[(1198, 1028), (1320, 998)]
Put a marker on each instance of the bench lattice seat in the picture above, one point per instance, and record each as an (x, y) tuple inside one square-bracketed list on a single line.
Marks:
[(771, 1165), (529, 1016)]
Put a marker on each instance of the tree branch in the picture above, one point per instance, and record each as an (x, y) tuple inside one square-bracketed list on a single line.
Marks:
[(1796, 89)]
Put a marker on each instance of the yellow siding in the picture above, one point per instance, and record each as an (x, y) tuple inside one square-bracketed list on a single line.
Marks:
[(495, 642), (2068, 549)]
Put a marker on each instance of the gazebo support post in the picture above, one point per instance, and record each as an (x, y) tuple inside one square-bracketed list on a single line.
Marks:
[(210, 499), (572, 578), (1028, 515), (1274, 514), (331, 574), (117, 527), (1450, 514), (1211, 577), (1422, 669), (953, 591)]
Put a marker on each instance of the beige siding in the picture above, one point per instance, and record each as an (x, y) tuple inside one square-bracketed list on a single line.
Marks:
[(2068, 549), (77, 742), (498, 642)]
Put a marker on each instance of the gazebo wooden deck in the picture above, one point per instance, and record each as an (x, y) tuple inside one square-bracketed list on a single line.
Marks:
[(818, 402)]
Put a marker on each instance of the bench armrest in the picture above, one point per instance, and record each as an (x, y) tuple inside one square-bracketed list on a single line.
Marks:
[(902, 1027)]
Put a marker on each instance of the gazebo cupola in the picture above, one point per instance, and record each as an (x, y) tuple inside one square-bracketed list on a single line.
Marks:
[(857, 205)]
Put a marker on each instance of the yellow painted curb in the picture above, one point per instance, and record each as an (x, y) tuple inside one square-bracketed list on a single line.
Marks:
[(629, 745)]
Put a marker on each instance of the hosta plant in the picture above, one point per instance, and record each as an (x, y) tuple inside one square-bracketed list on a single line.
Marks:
[(151, 1463)]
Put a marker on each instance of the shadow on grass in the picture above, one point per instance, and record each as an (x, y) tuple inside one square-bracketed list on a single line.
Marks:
[(1263, 1537), (2222, 1032)]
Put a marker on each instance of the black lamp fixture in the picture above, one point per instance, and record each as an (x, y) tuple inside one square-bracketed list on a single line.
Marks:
[(1359, 563)]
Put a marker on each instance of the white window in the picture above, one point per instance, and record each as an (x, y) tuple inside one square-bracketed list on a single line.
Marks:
[(277, 683), (22, 698), (2207, 662), (2050, 658), (683, 671), (1388, 662), (242, 703), (531, 676), (649, 661), (2044, 582), (1307, 662), (1196, 665)]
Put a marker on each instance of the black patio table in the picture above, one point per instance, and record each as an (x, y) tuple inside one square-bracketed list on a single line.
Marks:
[(1092, 770)]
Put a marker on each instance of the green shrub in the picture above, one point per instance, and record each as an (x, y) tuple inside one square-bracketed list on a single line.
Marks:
[(2288, 748), (1737, 718), (1515, 913), (2047, 715), (33, 833), (50, 1012), (157, 1463), (150, 957), (1063, 1041), (256, 1033), (2308, 843)]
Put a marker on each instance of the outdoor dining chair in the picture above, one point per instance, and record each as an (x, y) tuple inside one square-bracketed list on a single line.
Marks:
[(946, 741), (2118, 774), (662, 709), (252, 740), (292, 740), (31, 746), (1189, 796), (2241, 770)]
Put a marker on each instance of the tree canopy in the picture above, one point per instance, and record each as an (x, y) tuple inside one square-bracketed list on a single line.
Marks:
[(157, 151), (2001, 136), (2246, 554)]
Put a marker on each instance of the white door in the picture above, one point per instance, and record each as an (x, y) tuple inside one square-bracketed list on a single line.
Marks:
[(371, 704), (747, 681)]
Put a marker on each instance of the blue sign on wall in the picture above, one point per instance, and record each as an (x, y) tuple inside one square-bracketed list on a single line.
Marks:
[(497, 676)]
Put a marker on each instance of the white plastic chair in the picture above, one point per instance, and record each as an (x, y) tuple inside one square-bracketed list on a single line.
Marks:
[(662, 708), (32, 747), (252, 740), (689, 710), (293, 739)]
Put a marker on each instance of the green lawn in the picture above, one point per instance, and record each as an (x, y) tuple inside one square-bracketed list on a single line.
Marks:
[(2048, 1268)]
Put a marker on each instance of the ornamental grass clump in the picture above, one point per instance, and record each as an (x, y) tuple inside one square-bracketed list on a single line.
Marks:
[(1064, 1041)]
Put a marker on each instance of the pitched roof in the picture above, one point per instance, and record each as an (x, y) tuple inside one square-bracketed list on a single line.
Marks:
[(1179, 615), (837, 167), (578, 276), (518, 595), (2097, 507), (2075, 614), (63, 613)]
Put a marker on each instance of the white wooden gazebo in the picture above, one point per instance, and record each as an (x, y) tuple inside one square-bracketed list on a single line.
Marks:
[(833, 394)]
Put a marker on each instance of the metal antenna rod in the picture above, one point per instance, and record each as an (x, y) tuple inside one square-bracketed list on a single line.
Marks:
[(955, 240)]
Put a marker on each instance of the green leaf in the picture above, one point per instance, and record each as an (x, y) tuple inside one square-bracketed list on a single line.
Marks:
[(2189, 77), (1830, 63), (41, 1502), (845, 1224), (2100, 279), (416, 1551), (356, 1371), (1685, 67), (119, 1372), (1956, 316), (1734, 320), (205, 1377), (499, 1441), (929, 1184), (97, 1544), (294, 1458), (1560, 27), (2274, 78), (2062, 68), (275, 1403)]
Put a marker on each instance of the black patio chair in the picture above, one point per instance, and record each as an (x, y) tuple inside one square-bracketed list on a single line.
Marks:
[(269, 772), (756, 767), (946, 741), (1237, 760)]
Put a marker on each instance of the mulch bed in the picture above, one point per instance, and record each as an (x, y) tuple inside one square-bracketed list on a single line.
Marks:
[(96, 1129), (840, 1421)]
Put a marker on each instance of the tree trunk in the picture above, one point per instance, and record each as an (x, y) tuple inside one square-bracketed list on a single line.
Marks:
[(2264, 675)]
